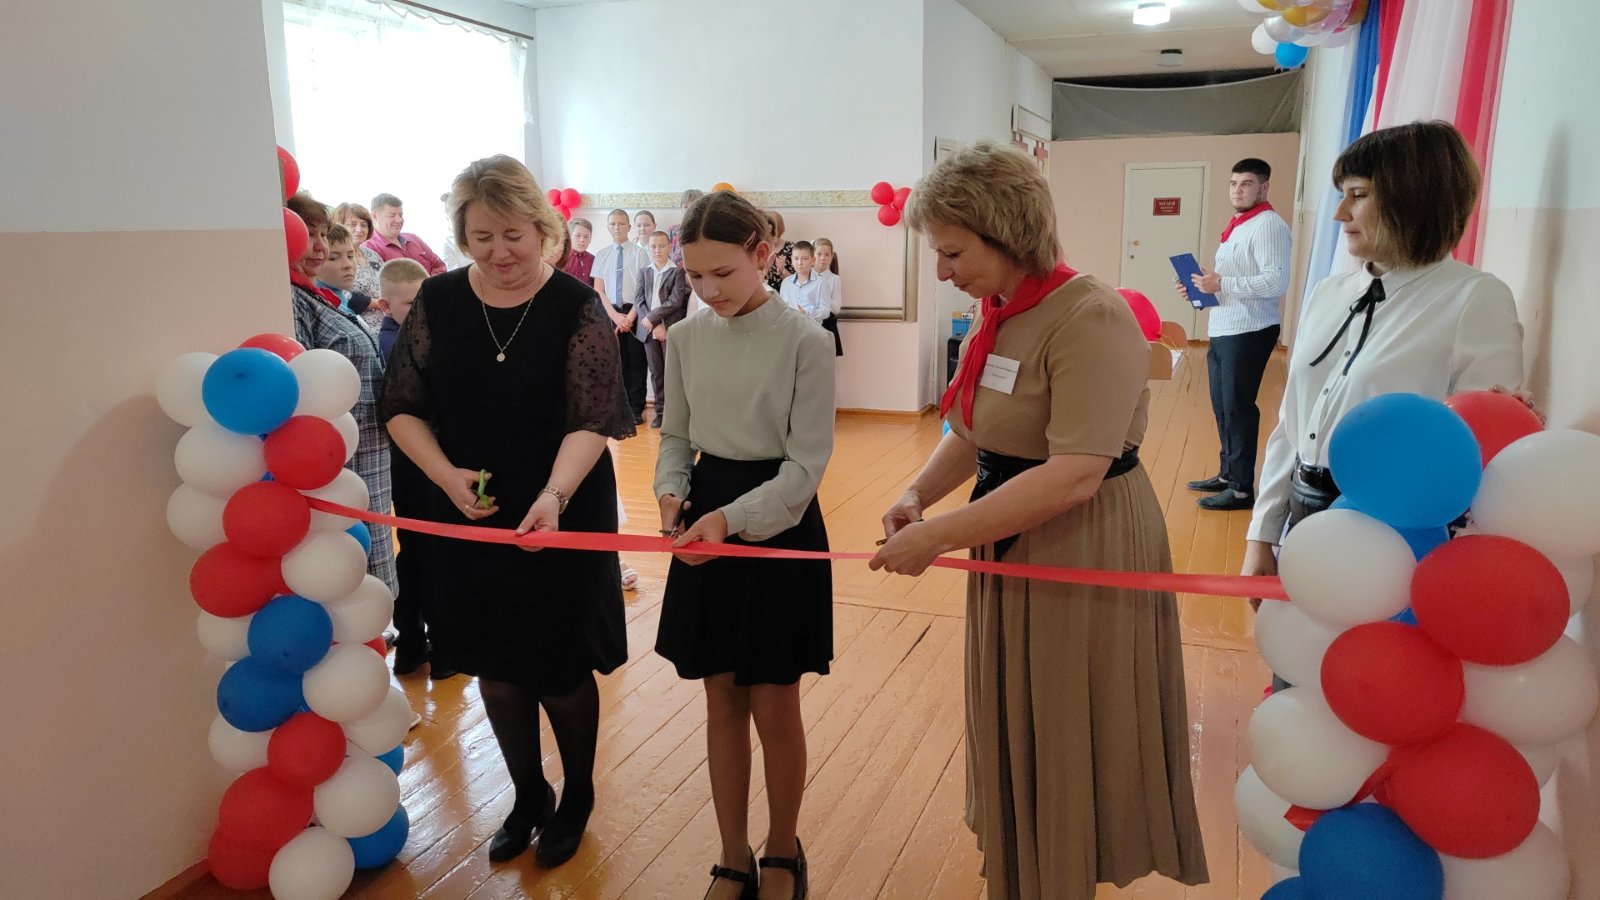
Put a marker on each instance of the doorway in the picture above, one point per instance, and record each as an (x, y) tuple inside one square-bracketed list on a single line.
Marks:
[(1162, 211)]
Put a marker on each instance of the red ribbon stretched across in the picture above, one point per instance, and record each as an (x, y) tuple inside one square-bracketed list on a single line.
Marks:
[(1267, 588)]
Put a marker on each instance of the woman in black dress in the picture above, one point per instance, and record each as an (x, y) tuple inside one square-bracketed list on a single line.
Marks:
[(508, 366)]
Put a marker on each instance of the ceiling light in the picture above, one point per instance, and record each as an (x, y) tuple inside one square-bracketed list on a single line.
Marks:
[(1152, 12)]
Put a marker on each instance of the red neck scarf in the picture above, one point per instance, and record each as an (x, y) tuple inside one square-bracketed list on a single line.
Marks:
[(299, 279), (1244, 217), (1029, 293)]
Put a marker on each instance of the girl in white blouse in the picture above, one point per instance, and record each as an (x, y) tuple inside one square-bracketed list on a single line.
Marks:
[(749, 387), (1411, 319), (828, 271)]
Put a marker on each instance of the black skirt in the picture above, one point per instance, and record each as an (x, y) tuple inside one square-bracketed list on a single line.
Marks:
[(765, 621), (831, 325)]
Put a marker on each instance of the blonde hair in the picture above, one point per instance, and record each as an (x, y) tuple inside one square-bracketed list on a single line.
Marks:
[(776, 218), (996, 193), (400, 271), (833, 263), (506, 188)]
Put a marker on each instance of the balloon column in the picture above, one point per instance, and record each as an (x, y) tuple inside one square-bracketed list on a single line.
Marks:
[(565, 201), (1431, 674), (891, 201), (307, 716), (1292, 27)]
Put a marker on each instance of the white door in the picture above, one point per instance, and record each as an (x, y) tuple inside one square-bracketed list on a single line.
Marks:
[(1162, 211)]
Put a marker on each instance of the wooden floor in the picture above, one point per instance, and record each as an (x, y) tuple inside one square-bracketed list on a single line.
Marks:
[(883, 809)]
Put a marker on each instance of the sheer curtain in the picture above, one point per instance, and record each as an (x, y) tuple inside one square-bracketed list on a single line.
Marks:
[(387, 100)]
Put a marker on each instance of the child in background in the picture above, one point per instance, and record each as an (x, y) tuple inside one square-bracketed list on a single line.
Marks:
[(827, 268), (398, 281), (338, 273), (804, 290)]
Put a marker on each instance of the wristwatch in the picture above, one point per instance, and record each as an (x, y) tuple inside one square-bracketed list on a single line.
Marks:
[(560, 496)]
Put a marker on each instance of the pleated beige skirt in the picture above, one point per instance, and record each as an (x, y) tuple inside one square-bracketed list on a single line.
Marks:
[(1077, 722)]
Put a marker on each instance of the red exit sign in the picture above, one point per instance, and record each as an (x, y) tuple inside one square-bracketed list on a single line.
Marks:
[(1167, 206)]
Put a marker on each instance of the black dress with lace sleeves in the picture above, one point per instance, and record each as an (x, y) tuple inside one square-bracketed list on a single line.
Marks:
[(596, 400), (405, 392)]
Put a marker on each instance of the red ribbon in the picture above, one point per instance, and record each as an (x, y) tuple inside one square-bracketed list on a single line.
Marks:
[(1029, 293), (1267, 588)]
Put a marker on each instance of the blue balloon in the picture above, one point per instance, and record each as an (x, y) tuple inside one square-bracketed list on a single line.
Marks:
[(291, 633), (255, 696), (382, 846), (1422, 540), (1289, 889), (395, 759), (1406, 460), (250, 391), (362, 534), (1365, 851), (1405, 617), (1290, 55)]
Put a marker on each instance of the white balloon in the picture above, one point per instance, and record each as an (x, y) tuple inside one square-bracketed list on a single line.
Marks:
[(1544, 701), (358, 799), (349, 684), (346, 489), (212, 459), (1260, 41), (1344, 568), (1341, 38), (385, 728), (1543, 760), (195, 517), (316, 865), (362, 615), (1314, 38), (1293, 643), (329, 384), (351, 432), (1579, 575), (326, 566), (1305, 755), (1282, 31), (1544, 490), (178, 388), (1261, 820), (1537, 870), (235, 750), (224, 638)]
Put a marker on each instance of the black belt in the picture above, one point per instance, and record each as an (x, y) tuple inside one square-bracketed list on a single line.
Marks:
[(1311, 490), (995, 469)]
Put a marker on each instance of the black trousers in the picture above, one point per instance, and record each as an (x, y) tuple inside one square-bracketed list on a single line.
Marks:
[(633, 371), (411, 563), (655, 354), (1235, 364)]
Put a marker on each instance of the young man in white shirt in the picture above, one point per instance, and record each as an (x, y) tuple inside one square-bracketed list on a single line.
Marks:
[(616, 278), (1250, 279)]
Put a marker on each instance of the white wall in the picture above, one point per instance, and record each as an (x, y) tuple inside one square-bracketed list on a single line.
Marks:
[(131, 150)]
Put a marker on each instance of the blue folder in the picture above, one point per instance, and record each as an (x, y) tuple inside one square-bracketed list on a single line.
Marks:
[(1186, 267)]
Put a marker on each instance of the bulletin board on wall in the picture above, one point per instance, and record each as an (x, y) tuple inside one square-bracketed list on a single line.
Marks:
[(877, 264)]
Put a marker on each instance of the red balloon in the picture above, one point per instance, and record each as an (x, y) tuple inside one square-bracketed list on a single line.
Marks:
[(267, 518), (236, 866), (262, 813), (229, 582), (288, 173), (566, 212), (900, 195), (296, 238), (1490, 600), (1495, 419), (1144, 311), (883, 193), (305, 452), (1390, 683), (1468, 794), (570, 198), (305, 751), (889, 216), (554, 196), (282, 345), (379, 646)]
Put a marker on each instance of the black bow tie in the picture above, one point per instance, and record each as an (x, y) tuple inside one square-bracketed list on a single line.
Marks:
[(1367, 303)]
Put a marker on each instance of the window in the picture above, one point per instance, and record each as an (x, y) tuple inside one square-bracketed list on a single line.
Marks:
[(387, 100)]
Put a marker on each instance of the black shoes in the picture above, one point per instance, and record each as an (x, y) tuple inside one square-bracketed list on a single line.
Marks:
[(656, 422), (1211, 485), (560, 839), (795, 865), (440, 668), (517, 832), (1227, 500), (748, 879), (408, 658)]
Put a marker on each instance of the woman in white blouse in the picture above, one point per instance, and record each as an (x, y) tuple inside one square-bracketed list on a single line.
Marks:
[(1410, 319)]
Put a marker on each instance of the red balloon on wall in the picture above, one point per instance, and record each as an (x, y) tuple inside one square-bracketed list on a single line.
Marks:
[(566, 212), (882, 193), (1490, 600), (1144, 311), (305, 751), (296, 238), (570, 198), (305, 452), (1495, 419), (285, 347), (288, 173), (267, 518), (889, 216), (554, 196), (1468, 794), (236, 866), (228, 582), (1390, 683), (900, 195)]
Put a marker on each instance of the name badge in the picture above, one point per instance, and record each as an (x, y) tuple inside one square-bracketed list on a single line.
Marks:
[(1000, 374)]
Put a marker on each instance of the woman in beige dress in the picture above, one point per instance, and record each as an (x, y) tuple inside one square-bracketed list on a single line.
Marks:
[(1077, 723)]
